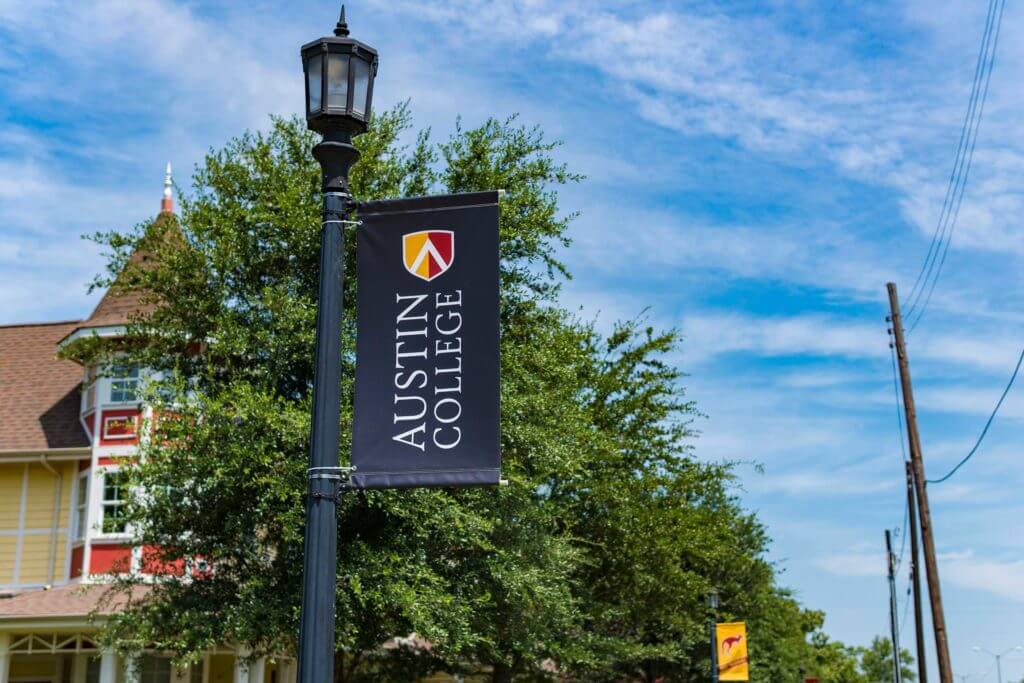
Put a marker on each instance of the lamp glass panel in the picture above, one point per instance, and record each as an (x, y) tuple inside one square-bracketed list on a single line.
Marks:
[(337, 81), (362, 87), (313, 75)]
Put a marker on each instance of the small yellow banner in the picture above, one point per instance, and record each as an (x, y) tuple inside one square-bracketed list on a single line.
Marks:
[(732, 651)]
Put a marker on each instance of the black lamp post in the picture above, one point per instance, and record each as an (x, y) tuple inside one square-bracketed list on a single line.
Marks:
[(712, 629), (339, 90)]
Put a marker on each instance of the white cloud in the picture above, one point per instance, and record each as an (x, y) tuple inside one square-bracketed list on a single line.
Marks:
[(890, 123), (1004, 578), (861, 560), (820, 335), (822, 483)]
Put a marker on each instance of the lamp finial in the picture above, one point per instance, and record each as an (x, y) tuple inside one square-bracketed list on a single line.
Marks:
[(341, 29), (167, 205)]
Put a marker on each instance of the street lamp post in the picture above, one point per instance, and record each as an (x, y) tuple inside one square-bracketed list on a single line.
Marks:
[(339, 75), (999, 658), (712, 628)]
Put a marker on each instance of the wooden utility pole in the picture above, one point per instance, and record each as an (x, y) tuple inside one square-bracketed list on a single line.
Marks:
[(894, 623), (915, 577), (930, 563)]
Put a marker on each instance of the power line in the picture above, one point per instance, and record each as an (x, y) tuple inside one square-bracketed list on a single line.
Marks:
[(966, 173), (957, 161), (906, 609), (988, 424), (903, 534)]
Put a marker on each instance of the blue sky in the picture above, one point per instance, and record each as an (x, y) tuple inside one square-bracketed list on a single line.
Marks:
[(756, 172)]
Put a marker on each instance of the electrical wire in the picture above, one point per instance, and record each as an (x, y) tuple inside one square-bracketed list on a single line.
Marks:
[(906, 610), (957, 158), (967, 171), (903, 534), (988, 424), (951, 210)]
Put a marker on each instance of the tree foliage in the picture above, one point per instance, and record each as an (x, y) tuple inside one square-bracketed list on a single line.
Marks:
[(593, 563), (876, 662)]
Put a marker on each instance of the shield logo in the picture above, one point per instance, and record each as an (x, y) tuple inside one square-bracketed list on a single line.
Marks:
[(428, 253)]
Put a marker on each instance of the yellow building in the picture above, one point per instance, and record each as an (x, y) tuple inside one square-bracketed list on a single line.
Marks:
[(63, 433)]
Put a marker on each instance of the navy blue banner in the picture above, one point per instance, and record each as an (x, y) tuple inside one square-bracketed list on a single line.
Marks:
[(427, 355)]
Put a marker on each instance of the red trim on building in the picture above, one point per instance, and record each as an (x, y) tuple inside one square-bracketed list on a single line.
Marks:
[(77, 556), (120, 427), (110, 559), (151, 563)]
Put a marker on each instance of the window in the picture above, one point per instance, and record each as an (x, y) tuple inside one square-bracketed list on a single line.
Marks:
[(115, 489), (154, 669), (195, 672), (81, 506), (92, 670), (124, 384)]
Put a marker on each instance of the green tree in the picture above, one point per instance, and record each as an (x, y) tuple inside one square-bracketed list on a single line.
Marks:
[(833, 662), (595, 561), (876, 661)]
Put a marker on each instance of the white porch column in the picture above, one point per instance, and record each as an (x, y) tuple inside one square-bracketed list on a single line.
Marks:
[(5, 657), (241, 665), (131, 670), (257, 670), (79, 667), (108, 667), (285, 671)]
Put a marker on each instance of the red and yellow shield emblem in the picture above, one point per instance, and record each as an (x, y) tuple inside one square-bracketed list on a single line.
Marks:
[(428, 253)]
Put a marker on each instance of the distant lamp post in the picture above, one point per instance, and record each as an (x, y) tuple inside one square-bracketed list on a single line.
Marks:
[(998, 657), (713, 630), (339, 74)]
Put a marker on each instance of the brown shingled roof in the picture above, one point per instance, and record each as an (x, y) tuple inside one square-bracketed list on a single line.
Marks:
[(119, 304), (72, 600), (39, 394)]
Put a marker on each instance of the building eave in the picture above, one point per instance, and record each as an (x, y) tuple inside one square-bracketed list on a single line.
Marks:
[(87, 332), (52, 454), (68, 622)]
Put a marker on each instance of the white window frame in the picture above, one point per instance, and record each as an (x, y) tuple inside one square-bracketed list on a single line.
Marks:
[(134, 434), (121, 383), (98, 505), (80, 519)]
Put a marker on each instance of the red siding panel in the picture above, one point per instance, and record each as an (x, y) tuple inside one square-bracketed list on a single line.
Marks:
[(110, 559), (77, 553), (152, 564), (120, 427)]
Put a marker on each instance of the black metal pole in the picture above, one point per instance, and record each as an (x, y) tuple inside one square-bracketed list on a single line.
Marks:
[(316, 630), (713, 629)]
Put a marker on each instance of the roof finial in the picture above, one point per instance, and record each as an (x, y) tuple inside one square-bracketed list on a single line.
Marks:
[(341, 29), (167, 205)]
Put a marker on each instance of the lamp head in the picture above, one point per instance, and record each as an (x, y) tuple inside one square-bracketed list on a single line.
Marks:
[(339, 74)]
